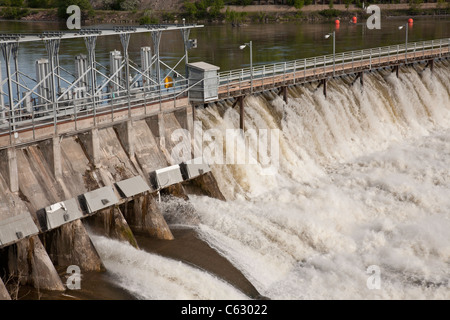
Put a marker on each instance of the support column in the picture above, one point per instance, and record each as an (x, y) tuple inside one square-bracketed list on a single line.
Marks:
[(396, 70), (185, 35), (57, 165), (91, 143), (125, 40), (125, 131), (90, 45), (324, 83), (143, 216), (13, 173), (4, 294), (361, 78), (190, 118), (29, 261), (7, 51), (285, 94), (161, 130), (52, 46), (431, 63), (156, 36), (241, 112)]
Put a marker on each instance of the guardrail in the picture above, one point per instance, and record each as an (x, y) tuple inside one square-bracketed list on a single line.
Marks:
[(86, 106), (231, 83), (303, 68)]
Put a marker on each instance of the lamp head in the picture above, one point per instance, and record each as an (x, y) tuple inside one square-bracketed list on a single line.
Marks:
[(242, 46), (327, 36), (400, 27)]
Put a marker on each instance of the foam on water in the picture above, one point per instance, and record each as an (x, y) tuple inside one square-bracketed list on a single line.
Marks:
[(363, 180), (150, 276)]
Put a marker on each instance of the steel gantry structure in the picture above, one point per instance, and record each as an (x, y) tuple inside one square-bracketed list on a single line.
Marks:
[(57, 95)]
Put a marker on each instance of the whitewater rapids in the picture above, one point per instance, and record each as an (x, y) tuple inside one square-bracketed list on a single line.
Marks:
[(363, 180)]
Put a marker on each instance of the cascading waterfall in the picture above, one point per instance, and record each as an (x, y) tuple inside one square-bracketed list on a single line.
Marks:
[(362, 180), (150, 276)]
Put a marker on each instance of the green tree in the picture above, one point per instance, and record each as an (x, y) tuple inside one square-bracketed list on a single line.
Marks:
[(414, 5), (191, 9), (12, 3), (216, 6), (347, 3), (298, 4), (38, 3)]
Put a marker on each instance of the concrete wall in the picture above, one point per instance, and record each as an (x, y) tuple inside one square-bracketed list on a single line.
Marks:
[(61, 168)]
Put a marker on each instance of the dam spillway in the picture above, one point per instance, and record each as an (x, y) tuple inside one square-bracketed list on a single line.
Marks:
[(64, 167)]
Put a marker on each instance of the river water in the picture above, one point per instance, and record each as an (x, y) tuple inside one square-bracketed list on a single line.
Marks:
[(363, 180)]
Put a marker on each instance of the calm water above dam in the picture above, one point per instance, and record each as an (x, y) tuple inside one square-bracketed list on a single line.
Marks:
[(219, 44)]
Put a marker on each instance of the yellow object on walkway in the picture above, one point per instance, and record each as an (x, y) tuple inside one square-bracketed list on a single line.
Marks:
[(168, 82)]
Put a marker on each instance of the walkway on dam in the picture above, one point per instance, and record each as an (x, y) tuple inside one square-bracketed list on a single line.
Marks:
[(68, 114), (261, 78)]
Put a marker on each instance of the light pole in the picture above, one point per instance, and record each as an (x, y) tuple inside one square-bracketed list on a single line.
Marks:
[(406, 42), (251, 62), (334, 49)]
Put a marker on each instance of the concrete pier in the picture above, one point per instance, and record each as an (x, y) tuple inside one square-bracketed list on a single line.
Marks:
[(8, 162)]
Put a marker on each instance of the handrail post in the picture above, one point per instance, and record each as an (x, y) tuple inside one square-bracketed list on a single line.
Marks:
[(353, 67), (304, 70), (379, 55), (295, 65), (314, 66), (361, 62), (264, 75), (273, 78), (228, 85)]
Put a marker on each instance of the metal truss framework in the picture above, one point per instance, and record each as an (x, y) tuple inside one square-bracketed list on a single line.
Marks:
[(55, 97)]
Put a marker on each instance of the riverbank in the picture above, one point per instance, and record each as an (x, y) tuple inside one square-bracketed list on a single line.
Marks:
[(247, 14)]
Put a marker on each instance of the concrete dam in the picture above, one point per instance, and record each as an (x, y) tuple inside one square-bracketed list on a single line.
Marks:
[(98, 152)]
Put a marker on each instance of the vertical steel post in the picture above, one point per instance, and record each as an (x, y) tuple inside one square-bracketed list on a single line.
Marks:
[(6, 50), (52, 46), (156, 37), (15, 51), (334, 52), (125, 40), (90, 45), (241, 112), (185, 34)]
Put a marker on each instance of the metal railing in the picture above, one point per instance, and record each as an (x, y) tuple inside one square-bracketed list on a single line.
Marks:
[(87, 106), (84, 105), (346, 62)]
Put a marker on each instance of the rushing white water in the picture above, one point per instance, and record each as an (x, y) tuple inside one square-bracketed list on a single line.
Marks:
[(149, 276), (364, 179)]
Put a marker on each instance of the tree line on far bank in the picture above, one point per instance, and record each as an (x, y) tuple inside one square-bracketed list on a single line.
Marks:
[(192, 9)]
